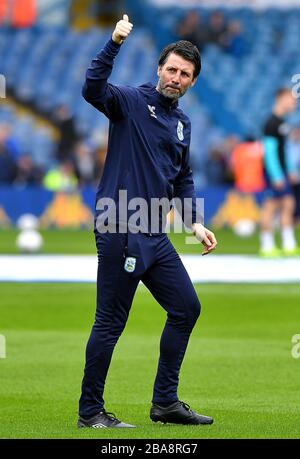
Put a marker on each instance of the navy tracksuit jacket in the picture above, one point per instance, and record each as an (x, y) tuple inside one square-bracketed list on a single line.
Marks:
[(148, 156)]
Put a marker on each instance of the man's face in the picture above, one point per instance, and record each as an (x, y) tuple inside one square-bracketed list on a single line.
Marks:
[(176, 76), (288, 101)]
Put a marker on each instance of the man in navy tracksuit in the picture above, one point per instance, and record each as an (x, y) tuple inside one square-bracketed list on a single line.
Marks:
[(148, 159)]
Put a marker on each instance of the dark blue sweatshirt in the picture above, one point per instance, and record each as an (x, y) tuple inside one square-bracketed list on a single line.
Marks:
[(149, 138)]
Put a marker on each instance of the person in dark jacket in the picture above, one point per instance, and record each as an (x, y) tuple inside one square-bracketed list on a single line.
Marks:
[(193, 29), (68, 135), (147, 160), (8, 166)]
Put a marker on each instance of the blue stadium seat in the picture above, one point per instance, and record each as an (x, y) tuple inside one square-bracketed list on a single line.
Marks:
[(47, 67)]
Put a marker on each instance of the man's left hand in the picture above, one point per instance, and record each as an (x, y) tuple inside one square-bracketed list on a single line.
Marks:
[(205, 236)]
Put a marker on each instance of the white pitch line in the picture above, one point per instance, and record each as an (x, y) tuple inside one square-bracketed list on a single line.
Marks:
[(211, 268)]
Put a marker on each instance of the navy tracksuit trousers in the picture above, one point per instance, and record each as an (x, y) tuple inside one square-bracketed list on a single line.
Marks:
[(159, 267)]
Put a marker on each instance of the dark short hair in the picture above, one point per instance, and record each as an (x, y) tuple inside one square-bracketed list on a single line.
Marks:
[(184, 49), (281, 91)]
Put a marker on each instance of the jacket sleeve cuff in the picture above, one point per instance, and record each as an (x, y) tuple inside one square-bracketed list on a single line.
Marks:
[(113, 46), (113, 43), (109, 51)]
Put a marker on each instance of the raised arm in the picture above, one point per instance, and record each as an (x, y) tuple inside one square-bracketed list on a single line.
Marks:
[(113, 101)]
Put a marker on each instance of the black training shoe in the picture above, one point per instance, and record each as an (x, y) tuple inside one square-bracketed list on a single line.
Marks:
[(102, 420), (178, 413)]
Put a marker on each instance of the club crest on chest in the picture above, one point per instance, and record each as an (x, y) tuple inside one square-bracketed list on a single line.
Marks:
[(180, 131)]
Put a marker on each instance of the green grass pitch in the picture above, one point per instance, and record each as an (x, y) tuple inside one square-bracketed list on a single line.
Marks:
[(238, 367), (82, 242)]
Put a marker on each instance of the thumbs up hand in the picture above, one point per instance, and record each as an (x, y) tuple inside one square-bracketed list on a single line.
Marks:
[(122, 30)]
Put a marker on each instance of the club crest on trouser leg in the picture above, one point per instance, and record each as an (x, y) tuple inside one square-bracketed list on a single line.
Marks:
[(129, 264), (180, 130)]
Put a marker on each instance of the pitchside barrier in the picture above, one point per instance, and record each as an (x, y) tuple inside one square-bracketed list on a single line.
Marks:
[(223, 206)]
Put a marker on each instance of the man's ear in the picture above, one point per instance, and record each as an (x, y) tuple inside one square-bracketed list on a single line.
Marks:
[(158, 71), (194, 82)]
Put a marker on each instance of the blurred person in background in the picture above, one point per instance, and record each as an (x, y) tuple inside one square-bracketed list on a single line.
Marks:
[(61, 178), (9, 140), (294, 152), (229, 37), (247, 166), (280, 175), (217, 167), (147, 162), (85, 163), (234, 41), (217, 29), (192, 28), (100, 157), (28, 173), (8, 166), (65, 123)]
